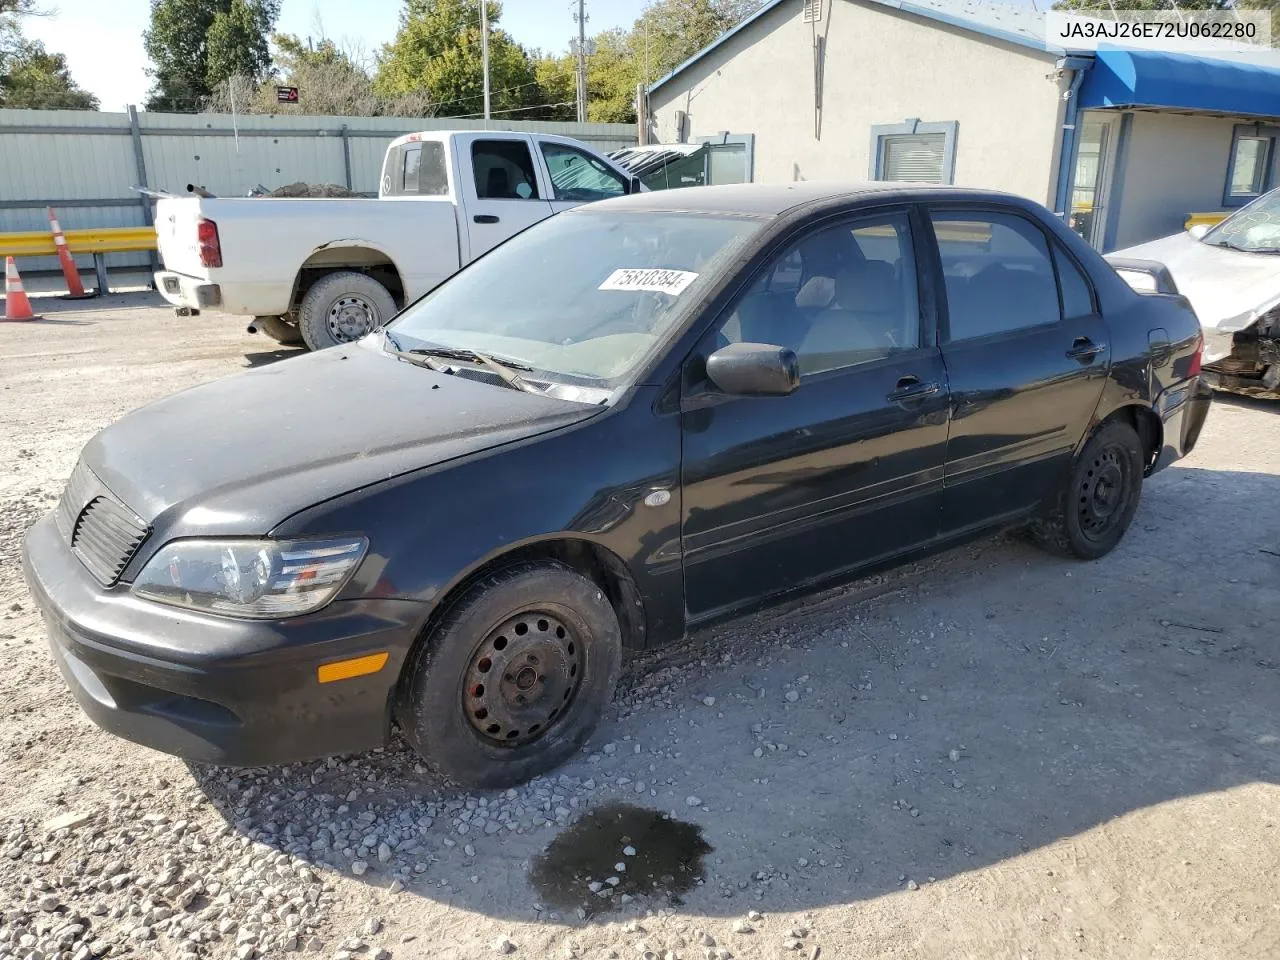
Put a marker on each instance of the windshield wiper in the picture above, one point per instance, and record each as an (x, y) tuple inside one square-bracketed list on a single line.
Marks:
[(1235, 246), (506, 369)]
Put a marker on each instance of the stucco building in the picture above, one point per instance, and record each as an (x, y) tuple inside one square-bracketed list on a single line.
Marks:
[(963, 92)]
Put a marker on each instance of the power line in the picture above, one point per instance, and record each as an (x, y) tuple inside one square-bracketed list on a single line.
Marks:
[(478, 116)]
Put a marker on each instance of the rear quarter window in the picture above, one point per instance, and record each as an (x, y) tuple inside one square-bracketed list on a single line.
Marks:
[(416, 170)]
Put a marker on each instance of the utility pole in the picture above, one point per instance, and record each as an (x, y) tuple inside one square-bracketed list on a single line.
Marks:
[(484, 51), (582, 61)]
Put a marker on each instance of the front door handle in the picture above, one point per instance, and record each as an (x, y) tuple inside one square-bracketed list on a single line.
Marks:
[(1082, 348), (910, 388), (485, 218)]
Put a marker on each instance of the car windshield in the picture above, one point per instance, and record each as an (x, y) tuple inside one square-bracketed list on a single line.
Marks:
[(1253, 229), (582, 297)]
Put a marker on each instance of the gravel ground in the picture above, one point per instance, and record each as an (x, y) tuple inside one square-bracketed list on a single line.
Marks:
[(991, 754)]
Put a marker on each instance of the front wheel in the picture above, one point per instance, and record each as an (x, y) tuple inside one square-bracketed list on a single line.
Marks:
[(514, 678), (342, 307), (1091, 512)]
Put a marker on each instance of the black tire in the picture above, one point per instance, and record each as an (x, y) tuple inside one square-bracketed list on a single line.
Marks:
[(280, 330), (457, 703), (342, 307), (1091, 512)]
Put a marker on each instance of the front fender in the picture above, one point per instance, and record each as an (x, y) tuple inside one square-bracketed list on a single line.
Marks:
[(431, 530)]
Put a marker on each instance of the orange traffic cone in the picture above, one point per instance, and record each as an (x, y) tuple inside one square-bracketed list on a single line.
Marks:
[(16, 304), (75, 289)]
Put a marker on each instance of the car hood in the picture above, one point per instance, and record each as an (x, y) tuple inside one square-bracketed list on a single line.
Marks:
[(241, 454), (1228, 289)]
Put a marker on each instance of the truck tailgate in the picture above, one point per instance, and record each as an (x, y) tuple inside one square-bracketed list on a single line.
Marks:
[(176, 236)]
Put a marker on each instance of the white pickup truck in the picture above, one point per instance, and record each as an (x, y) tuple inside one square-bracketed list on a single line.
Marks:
[(327, 271)]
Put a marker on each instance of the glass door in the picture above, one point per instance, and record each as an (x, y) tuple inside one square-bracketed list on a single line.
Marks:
[(1092, 184), (730, 157)]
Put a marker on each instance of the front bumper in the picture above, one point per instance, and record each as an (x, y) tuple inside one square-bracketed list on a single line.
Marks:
[(187, 292), (215, 689)]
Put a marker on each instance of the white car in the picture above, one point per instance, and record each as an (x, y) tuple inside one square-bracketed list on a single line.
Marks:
[(328, 271), (1231, 275)]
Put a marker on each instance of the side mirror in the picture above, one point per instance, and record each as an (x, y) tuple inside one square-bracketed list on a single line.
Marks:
[(754, 370), (634, 185), (1198, 230)]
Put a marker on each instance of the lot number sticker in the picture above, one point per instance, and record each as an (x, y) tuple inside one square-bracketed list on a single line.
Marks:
[(647, 280)]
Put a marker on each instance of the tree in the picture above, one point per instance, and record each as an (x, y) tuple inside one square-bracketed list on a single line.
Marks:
[(237, 40), (30, 76), (35, 79), (666, 33), (331, 81), (10, 31), (436, 51), (195, 45), (669, 32), (557, 87)]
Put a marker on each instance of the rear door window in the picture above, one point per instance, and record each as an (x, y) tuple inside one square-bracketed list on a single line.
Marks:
[(1077, 294), (998, 271), (503, 170)]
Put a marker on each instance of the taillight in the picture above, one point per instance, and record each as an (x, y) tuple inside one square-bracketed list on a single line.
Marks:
[(207, 241), (1194, 369)]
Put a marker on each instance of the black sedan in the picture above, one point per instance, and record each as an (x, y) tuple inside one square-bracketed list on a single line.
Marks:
[(631, 420)]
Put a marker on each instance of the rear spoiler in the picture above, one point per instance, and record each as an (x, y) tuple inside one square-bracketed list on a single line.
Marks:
[(1151, 276)]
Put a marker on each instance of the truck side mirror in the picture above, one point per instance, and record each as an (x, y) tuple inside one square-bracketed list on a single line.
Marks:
[(634, 185)]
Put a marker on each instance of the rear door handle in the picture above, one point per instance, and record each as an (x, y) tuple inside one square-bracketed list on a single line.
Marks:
[(1082, 348), (485, 218), (910, 388)]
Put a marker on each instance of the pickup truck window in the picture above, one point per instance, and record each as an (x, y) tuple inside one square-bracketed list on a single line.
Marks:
[(578, 176), (412, 160), (582, 297), (503, 170), (416, 170)]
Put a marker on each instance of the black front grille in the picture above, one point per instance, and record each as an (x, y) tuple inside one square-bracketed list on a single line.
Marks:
[(79, 491), (102, 531)]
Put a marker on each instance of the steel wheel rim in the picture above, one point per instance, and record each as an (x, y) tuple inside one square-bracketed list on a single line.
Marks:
[(523, 678), (1104, 493), (351, 317)]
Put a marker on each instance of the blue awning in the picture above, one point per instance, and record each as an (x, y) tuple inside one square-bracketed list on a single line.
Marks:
[(1178, 81)]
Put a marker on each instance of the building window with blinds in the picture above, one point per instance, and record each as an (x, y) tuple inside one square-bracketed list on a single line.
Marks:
[(913, 151)]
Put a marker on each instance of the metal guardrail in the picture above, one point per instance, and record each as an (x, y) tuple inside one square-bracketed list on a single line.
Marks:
[(97, 242), (39, 243)]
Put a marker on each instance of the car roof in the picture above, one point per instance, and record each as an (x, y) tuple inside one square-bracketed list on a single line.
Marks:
[(771, 199)]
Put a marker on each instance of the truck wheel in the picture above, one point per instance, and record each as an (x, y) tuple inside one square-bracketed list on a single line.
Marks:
[(342, 307), (514, 678), (280, 330), (1091, 512)]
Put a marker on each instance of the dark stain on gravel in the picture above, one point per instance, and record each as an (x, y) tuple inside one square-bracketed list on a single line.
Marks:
[(667, 859)]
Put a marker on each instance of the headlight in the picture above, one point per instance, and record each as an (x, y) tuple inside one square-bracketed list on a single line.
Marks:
[(259, 579)]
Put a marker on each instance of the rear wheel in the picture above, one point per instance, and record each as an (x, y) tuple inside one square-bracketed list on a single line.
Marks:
[(1096, 504), (514, 678), (342, 307)]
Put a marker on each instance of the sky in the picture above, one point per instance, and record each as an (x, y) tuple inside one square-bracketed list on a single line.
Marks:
[(102, 39)]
